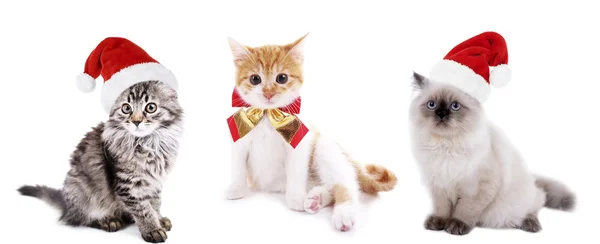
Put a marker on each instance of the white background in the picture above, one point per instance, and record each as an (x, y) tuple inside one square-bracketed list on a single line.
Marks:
[(359, 58)]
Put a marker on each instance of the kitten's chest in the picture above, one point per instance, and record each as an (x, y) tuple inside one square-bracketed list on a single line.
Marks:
[(266, 157), (444, 162), (152, 165)]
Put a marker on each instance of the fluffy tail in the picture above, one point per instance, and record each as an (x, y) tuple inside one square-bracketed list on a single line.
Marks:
[(374, 178), (557, 194), (50, 195)]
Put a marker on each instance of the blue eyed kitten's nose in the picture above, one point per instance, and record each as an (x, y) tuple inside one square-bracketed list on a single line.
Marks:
[(136, 123), (441, 113)]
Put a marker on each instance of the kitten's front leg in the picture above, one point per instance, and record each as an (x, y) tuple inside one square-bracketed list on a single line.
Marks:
[(442, 209), (297, 177), (146, 218), (239, 172), (164, 221), (469, 208)]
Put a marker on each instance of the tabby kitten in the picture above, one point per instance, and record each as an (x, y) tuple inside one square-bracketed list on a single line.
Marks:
[(475, 175), (118, 169), (270, 77)]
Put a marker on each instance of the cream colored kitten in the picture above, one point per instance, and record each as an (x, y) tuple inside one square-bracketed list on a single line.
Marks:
[(475, 175), (314, 174)]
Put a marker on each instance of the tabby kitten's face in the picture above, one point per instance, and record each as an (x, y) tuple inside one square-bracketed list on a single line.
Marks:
[(443, 109), (145, 107), (268, 76)]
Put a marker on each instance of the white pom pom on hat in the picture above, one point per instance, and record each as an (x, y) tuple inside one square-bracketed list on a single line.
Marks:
[(500, 76), (85, 82)]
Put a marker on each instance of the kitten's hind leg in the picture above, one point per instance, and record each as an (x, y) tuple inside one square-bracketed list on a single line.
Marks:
[(345, 208), (317, 198), (337, 173), (531, 224)]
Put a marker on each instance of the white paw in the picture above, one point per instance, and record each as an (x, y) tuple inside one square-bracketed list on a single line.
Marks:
[(295, 201), (344, 216), (316, 200), (234, 192)]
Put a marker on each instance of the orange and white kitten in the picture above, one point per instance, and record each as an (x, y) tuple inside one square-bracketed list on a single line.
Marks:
[(271, 77)]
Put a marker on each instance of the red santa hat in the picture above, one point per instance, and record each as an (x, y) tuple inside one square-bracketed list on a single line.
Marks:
[(467, 66), (122, 64)]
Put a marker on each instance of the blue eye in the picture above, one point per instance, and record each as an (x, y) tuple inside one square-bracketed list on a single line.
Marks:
[(431, 104), (455, 106)]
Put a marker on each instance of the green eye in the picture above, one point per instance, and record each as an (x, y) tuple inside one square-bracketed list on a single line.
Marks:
[(151, 107), (126, 108)]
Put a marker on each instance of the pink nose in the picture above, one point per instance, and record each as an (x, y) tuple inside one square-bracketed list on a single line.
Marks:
[(268, 95)]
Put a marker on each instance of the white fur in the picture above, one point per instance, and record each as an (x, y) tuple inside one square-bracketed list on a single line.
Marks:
[(297, 52), (458, 166), (142, 130), (317, 198), (500, 76), (239, 51), (274, 166), (85, 82), (132, 75), (462, 77)]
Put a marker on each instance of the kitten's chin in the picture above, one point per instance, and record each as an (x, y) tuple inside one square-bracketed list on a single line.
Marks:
[(444, 129), (271, 104)]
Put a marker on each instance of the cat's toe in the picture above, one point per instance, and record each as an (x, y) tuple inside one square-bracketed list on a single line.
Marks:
[(531, 224), (114, 225), (234, 192), (435, 223), (457, 227), (344, 216), (166, 223), (155, 236), (313, 203), (110, 225)]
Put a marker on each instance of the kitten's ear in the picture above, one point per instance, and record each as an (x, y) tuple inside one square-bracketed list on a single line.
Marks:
[(240, 52), (296, 49), (419, 81)]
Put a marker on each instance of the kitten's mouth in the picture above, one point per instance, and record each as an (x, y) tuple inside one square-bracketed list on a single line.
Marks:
[(140, 132)]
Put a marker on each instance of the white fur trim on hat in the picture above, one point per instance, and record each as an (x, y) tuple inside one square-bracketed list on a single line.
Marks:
[(132, 75), (500, 76), (462, 77), (85, 82)]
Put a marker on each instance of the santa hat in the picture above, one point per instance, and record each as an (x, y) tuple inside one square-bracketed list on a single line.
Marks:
[(122, 64), (467, 66)]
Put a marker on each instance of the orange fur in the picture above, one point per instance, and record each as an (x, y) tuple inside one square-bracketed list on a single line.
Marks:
[(137, 116), (269, 61), (374, 178), (313, 176), (340, 194)]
